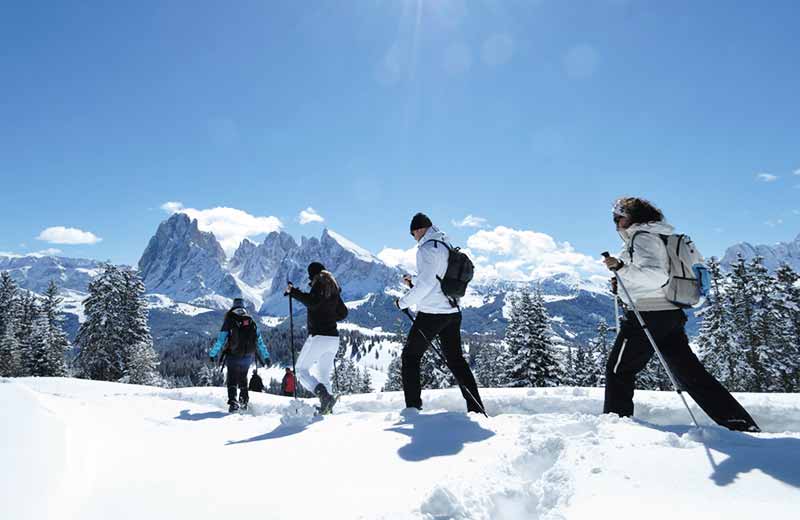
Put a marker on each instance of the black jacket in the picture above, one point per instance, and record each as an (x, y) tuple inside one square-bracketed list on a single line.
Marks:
[(324, 304)]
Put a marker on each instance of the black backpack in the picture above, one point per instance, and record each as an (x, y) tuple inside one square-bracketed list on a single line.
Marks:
[(460, 271), (341, 309), (243, 335)]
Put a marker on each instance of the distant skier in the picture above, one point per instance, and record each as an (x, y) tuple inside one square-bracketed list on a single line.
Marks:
[(239, 341), (288, 383), (437, 315), (256, 383), (643, 266), (325, 308)]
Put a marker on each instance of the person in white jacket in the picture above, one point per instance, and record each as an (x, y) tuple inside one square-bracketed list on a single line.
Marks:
[(643, 266), (436, 316)]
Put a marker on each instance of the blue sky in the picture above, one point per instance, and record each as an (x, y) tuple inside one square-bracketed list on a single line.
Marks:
[(531, 115)]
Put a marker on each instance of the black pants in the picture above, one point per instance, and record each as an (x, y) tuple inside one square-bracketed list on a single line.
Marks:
[(448, 328), (238, 366), (632, 351)]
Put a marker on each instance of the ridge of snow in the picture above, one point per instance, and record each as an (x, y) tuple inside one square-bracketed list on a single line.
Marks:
[(355, 304), (354, 248)]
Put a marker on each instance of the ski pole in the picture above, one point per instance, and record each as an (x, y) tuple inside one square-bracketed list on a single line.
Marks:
[(652, 342), (443, 358), (291, 341)]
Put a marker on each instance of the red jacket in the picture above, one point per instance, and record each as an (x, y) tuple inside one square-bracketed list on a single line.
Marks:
[(288, 383)]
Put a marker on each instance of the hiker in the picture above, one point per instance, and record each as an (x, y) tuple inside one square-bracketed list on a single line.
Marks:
[(325, 307), (643, 267), (437, 316), (256, 384), (239, 342), (288, 383)]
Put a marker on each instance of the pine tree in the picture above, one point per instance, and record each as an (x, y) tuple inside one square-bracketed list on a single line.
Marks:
[(394, 381), (532, 359), (101, 337), (141, 360), (584, 368), (568, 371), (10, 359), (721, 355), (29, 335), (53, 363), (366, 382), (489, 365), (740, 306), (787, 299), (600, 348), (769, 366)]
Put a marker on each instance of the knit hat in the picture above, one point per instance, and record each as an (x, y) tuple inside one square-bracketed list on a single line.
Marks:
[(314, 268), (420, 221), (238, 303)]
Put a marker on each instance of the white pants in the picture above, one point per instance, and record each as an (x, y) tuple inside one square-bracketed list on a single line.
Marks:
[(315, 364)]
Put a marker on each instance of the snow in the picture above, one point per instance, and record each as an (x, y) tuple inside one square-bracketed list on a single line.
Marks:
[(355, 304), (73, 303), (251, 293), (375, 331), (272, 321), (160, 301), (354, 248), (79, 449)]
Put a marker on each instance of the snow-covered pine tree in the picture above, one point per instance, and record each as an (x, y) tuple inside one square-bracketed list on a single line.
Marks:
[(769, 364), (568, 375), (53, 363), (28, 334), (600, 348), (434, 372), (584, 368), (141, 360), (739, 306), (721, 356), (787, 283), (366, 382), (10, 362), (101, 336), (533, 360), (394, 381), (489, 366)]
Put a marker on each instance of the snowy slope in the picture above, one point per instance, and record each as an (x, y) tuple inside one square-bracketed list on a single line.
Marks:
[(80, 449)]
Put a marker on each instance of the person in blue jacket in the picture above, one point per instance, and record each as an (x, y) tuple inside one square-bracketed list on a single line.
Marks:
[(240, 342)]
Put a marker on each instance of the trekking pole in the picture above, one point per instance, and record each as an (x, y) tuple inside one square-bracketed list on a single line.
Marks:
[(291, 341), (443, 358), (652, 342)]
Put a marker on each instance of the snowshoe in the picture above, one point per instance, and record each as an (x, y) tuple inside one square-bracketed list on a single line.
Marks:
[(233, 407), (326, 400)]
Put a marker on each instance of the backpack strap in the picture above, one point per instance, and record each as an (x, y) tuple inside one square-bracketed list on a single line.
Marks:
[(453, 301), (633, 238)]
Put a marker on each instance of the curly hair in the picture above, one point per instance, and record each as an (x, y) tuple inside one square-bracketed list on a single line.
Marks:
[(639, 211)]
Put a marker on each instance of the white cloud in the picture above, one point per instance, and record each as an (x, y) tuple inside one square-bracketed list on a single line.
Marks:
[(581, 61), (309, 215), (525, 255), (766, 177), (405, 259), (470, 221), (774, 223), (797, 172), (229, 225), (50, 251), (69, 236)]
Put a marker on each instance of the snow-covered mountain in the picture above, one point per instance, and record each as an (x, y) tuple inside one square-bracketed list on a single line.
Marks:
[(187, 265), (774, 256)]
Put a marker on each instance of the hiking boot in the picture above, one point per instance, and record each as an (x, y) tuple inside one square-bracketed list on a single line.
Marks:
[(326, 400), (233, 406)]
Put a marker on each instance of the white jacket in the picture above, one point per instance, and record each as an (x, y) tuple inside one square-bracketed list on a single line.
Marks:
[(427, 292), (647, 272)]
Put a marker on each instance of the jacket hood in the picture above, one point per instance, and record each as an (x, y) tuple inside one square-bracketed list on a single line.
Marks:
[(661, 228), (433, 233)]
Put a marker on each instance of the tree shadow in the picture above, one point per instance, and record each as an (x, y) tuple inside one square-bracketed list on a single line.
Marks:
[(279, 432), (187, 415), (438, 435), (776, 457)]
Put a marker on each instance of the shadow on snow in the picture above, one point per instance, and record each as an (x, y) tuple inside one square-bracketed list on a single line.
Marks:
[(776, 457), (187, 415), (279, 432), (438, 435)]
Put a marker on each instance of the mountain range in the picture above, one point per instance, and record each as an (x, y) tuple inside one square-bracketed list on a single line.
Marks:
[(774, 256)]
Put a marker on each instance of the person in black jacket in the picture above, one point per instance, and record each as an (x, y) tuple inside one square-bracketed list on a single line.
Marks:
[(325, 308), (256, 383)]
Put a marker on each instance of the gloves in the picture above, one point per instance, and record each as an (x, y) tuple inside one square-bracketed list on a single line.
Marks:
[(267, 363), (212, 359)]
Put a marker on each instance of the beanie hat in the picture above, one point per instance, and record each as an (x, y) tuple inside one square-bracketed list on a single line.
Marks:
[(238, 303), (314, 268), (420, 221)]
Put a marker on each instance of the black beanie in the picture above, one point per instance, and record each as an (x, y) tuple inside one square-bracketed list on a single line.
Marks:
[(314, 268), (420, 221), (238, 303)]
